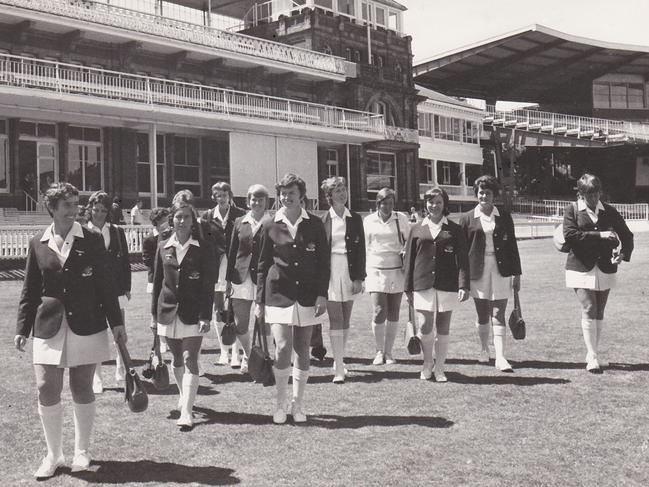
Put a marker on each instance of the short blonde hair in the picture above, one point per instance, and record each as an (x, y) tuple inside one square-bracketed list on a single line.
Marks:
[(329, 185), (385, 193), (257, 190)]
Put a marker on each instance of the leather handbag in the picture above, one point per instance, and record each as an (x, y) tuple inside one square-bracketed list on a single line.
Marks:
[(49, 316), (516, 322), (149, 368), (229, 331), (134, 393), (161, 372), (413, 343), (260, 365)]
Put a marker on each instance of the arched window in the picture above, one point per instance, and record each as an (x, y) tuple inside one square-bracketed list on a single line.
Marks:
[(348, 54)]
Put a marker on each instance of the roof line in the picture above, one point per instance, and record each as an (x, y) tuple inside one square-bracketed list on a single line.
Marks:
[(420, 68)]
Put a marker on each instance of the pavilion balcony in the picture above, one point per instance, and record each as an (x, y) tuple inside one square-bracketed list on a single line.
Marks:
[(25, 81), (401, 134), (570, 126), (140, 18)]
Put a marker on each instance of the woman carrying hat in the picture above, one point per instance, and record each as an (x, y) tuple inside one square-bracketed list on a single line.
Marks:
[(346, 238), (593, 230), (495, 266), (437, 277), (386, 232)]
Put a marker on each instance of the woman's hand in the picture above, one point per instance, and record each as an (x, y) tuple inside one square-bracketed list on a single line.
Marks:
[(19, 342), (462, 295), (617, 258), (119, 334), (203, 326), (320, 305), (259, 311), (154, 323), (516, 283), (608, 235), (357, 287)]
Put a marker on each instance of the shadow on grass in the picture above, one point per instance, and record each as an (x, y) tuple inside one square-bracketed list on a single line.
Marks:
[(509, 379), (157, 473), (367, 376), (540, 364), (208, 416), (218, 379)]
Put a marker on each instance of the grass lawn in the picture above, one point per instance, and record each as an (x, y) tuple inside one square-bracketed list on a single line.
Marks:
[(548, 424)]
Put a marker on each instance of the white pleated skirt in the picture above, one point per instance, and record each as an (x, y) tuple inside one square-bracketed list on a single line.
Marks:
[(491, 285), (340, 284), (295, 315), (67, 349), (246, 290), (435, 301), (221, 284), (594, 279), (389, 281), (178, 330)]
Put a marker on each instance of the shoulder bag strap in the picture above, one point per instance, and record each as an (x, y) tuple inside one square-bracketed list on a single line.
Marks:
[(400, 236)]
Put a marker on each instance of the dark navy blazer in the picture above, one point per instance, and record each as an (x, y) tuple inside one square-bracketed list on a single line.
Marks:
[(354, 244), (149, 247), (586, 246), (290, 269), (244, 251), (505, 246), (441, 263), (216, 233), (185, 290), (84, 284)]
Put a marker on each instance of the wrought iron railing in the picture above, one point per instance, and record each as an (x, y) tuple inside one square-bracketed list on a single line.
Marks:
[(102, 12), (72, 79)]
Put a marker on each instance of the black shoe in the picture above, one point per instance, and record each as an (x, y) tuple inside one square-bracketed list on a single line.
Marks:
[(319, 352)]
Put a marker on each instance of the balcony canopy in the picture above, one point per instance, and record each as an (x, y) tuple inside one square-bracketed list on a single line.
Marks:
[(529, 64)]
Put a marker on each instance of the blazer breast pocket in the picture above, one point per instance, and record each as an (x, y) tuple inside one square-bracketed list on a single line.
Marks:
[(194, 275), (310, 247), (87, 271)]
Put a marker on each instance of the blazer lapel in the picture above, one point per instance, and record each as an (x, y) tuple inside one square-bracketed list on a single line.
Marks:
[(327, 225)]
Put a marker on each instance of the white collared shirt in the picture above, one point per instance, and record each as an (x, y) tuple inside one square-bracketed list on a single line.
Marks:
[(63, 254), (338, 231), (488, 224), (217, 215), (254, 224), (105, 232), (280, 216), (181, 249), (594, 215), (382, 241), (435, 228)]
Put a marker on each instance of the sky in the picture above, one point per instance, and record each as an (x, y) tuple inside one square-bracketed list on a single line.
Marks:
[(437, 26)]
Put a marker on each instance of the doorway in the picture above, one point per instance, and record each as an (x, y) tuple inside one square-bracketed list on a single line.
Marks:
[(38, 169)]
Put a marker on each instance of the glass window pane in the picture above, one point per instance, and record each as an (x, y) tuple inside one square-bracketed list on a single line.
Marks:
[(346, 7), (143, 178), (380, 16), (3, 127), (46, 150), (46, 130), (142, 144), (601, 96), (325, 3), (93, 169), (160, 148), (161, 178), (76, 133), (618, 96), (387, 167), (636, 96), (3, 164), (27, 128), (93, 135), (187, 173), (179, 150), (193, 152)]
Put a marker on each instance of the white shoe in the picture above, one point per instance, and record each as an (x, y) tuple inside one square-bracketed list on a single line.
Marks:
[(97, 386), (244, 365), (186, 421), (427, 372), (279, 416), (235, 363), (503, 365), (378, 359), (440, 376), (333, 368), (390, 360), (298, 415), (339, 379), (223, 358), (484, 357), (81, 462), (48, 467), (593, 365)]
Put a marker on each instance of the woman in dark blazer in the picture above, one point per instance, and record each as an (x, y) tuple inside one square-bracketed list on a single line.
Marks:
[(242, 264), (344, 229), (182, 299), (68, 294), (218, 224), (119, 263), (593, 230), (292, 285), (495, 266), (437, 277)]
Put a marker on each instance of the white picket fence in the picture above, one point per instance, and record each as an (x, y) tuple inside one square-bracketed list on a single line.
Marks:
[(14, 241), (554, 208)]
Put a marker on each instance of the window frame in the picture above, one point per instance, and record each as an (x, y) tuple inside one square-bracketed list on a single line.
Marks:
[(380, 174)]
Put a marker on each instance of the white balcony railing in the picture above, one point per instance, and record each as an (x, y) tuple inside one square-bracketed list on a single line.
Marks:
[(105, 13), (554, 208), (610, 131), (401, 134), (26, 72)]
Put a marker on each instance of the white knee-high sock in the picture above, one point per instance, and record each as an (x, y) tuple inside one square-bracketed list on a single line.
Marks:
[(378, 329), (281, 386), (336, 337), (52, 421), (600, 327), (345, 337), (500, 334), (179, 372), (483, 333), (190, 388), (441, 350), (300, 378), (391, 329), (120, 371), (219, 327), (84, 418), (589, 330), (427, 348)]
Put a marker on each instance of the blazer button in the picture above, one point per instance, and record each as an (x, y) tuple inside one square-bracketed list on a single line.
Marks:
[(69, 313), (295, 264), (294, 246), (297, 282)]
